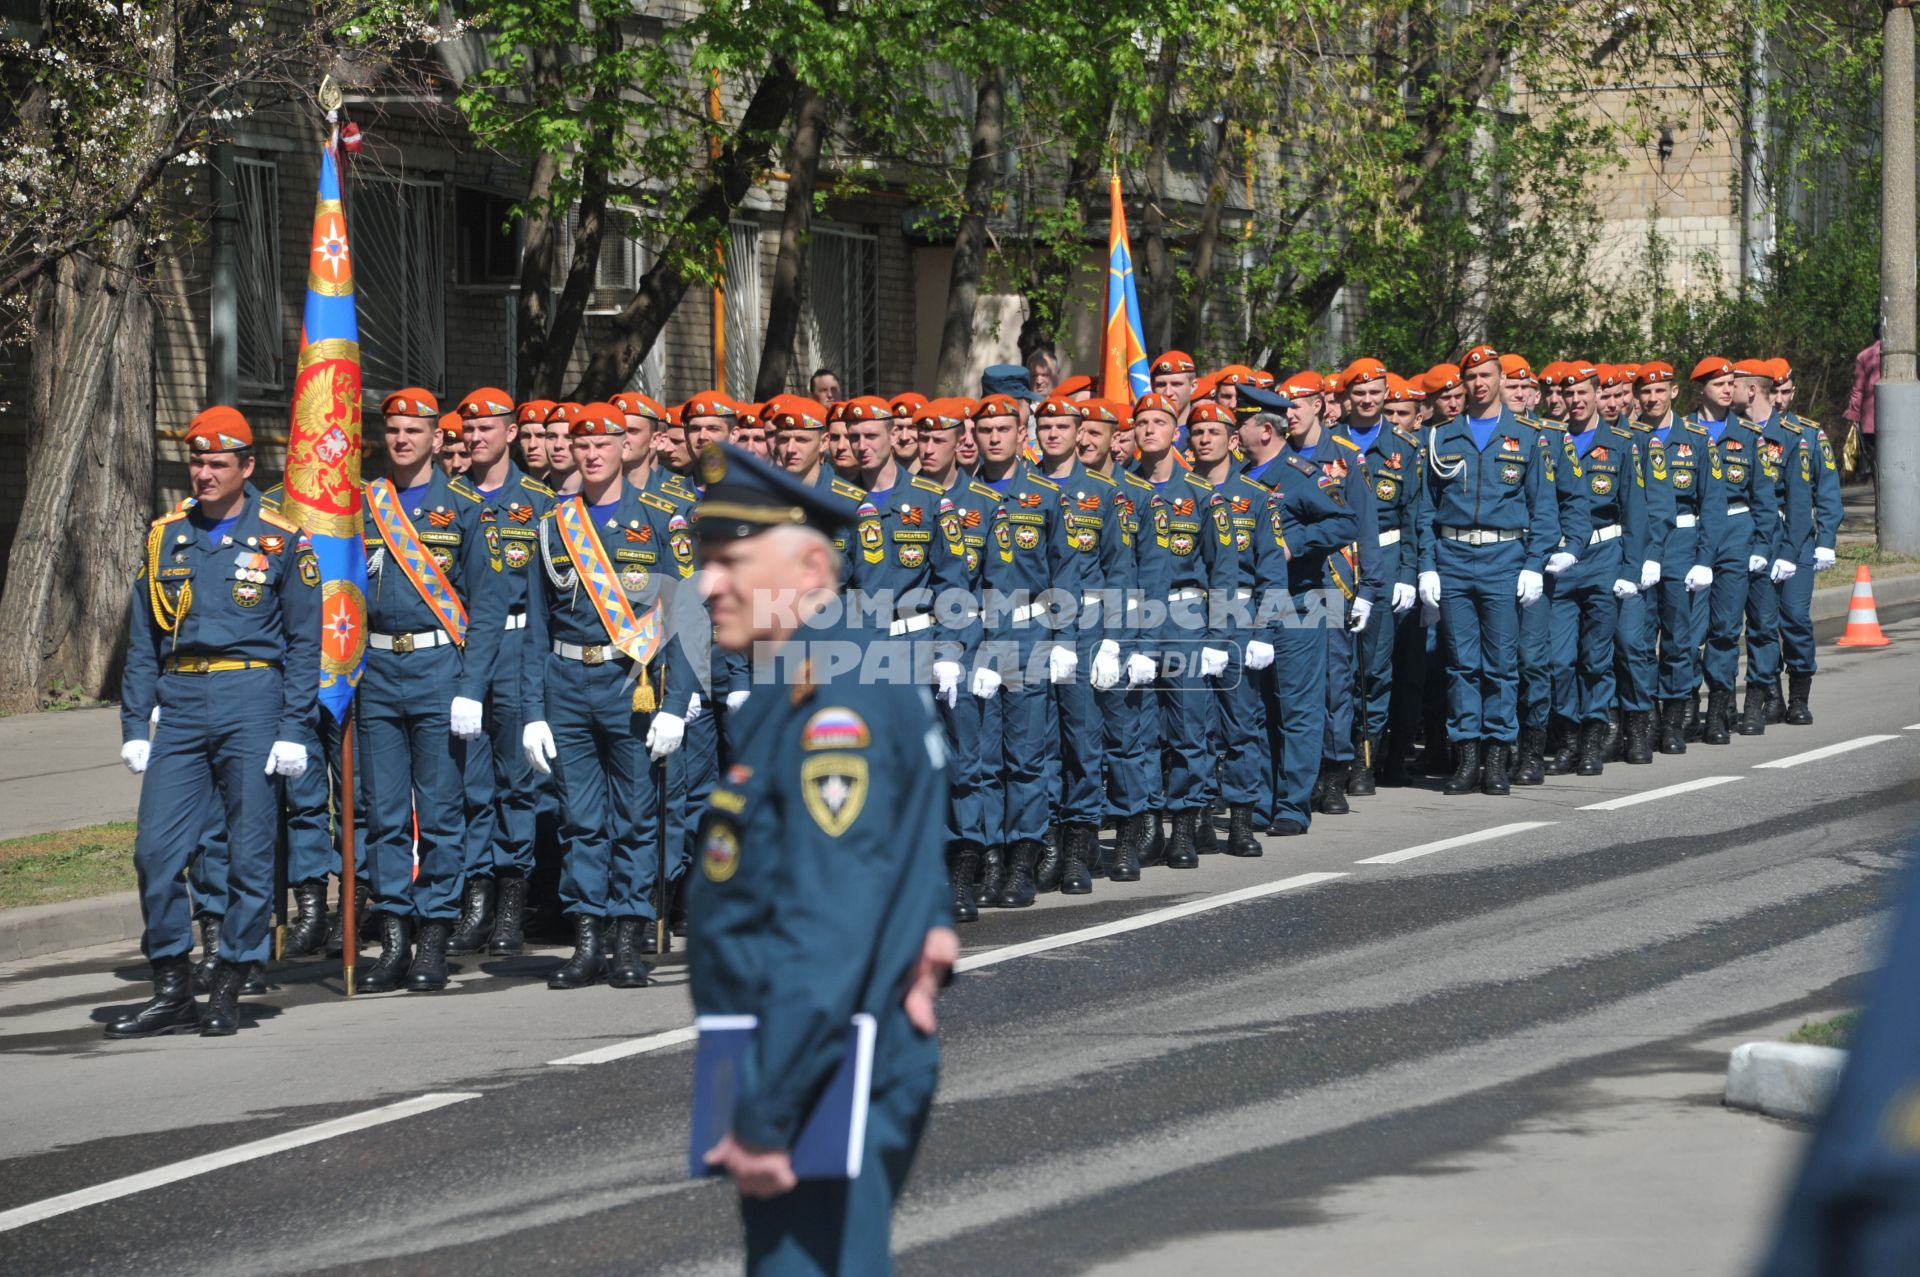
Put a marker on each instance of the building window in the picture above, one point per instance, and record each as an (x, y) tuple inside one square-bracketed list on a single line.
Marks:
[(486, 237), (400, 282), (259, 352), (843, 311), (623, 258), (743, 308)]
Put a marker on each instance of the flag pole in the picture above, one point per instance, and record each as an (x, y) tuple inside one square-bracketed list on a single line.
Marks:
[(349, 891)]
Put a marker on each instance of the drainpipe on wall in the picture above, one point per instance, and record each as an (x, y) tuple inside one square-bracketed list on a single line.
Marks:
[(1756, 214), (223, 351)]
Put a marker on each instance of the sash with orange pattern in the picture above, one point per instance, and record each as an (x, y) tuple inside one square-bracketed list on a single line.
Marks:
[(383, 503), (639, 638)]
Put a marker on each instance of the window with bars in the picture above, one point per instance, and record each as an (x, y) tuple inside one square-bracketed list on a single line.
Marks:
[(843, 310), (398, 230), (260, 352), (623, 258), (743, 308)]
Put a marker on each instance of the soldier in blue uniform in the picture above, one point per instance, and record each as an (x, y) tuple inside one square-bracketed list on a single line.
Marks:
[(1686, 508), (1745, 537), (230, 665), (607, 691), (1812, 555), (1783, 515), (1549, 742), (1637, 637), (798, 429), (1487, 525), (436, 611), (503, 789), (819, 893)]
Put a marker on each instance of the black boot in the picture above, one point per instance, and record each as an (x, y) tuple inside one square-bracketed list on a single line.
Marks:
[(1639, 736), (1046, 872), (1333, 789), (589, 960), (220, 1017), (1283, 827), (1180, 852), (428, 974), (1493, 769), (1799, 687), (170, 1010), (1205, 840), (1673, 727), (1563, 747), (1240, 839), (1154, 851), (963, 862), (1078, 842), (1593, 748), (209, 953), (1021, 858), (1614, 739), (625, 970), (1396, 763), (1694, 722), (309, 929), (993, 875), (1713, 731), (363, 919), (1127, 846), (654, 939), (1753, 717), (476, 917), (510, 918), (1360, 782), (1530, 768), (396, 951), (1466, 770), (1776, 703)]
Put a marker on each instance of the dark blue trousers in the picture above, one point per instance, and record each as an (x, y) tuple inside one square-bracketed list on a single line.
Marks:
[(411, 766), (1295, 707), (500, 783), (608, 791), (1481, 625)]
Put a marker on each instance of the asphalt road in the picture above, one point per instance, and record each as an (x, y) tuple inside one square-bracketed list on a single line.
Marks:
[(1205, 1055)]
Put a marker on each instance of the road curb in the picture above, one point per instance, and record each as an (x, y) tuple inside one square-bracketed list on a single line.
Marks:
[(1782, 1079), (1830, 603), (42, 929)]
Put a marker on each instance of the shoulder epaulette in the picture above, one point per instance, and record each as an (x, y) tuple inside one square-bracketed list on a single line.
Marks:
[(1095, 474), (1406, 435), (532, 484), (459, 486), (1137, 481), (278, 520), (1548, 423), (1197, 481), (1342, 439), (1043, 481), (844, 489), (1615, 427), (1527, 419), (658, 502), (170, 516), (1689, 423), (1253, 482), (676, 482), (980, 489), (1810, 423), (926, 485)]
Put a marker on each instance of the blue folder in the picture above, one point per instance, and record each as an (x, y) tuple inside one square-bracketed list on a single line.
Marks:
[(833, 1137)]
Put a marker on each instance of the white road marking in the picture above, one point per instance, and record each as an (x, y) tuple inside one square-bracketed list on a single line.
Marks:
[(1152, 918), (1447, 844), (33, 1213), (636, 1046), (1634, 800), (1827, 751), (1911, 727)]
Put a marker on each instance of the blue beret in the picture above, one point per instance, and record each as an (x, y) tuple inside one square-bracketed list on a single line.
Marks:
[(745, 496), (1007, 379), (1250, 401)]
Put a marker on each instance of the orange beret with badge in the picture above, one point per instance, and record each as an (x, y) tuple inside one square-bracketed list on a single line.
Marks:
[(562, 412), (218, 429), (488, 401), (533, 412), (1115, 415), (939, 414), (1400, 390), (1655, 373), (1512, 365), (908, 403), (996, 405), (1363, 370), (1304, 385), (1782, 370), (410, 402), (1575, 371), (597, 419), (865, 408), (1154, 402), (451, 424), (1056, 406), (1079, 384), (1479, 355), (1754, 368), (1442, 377), (794, 412), (1209, 411), (708, 403), (632, 403), (1173, 361), (1710, 367)]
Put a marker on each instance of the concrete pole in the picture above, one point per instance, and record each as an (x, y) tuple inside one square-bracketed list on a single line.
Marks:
[(1897, 399)]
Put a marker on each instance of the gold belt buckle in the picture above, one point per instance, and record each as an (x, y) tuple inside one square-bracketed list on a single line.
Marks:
[(403, 643), (594, 654), (199, 665)]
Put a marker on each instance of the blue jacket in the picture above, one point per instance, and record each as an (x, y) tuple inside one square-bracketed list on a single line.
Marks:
[(1186, 543), (1394, 465), (1508, 486), (1681, 458), (1608, 474), (910, 553), (1305, 520), (1743, 488)]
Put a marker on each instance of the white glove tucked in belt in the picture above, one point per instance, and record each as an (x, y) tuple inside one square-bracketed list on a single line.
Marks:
[(1140, 670), (1213, 662), (1259, 654)]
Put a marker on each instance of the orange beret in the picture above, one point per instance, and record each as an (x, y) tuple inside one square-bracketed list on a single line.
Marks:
[(1442, 377), (1654, 373), (1333, 383), (1173, 361), (1152, 402), (562, 412), (1303, 384), (1575, 371), (410, 402), (1363, 369), (632, 403), (1608, 374), (1515, 366), (1263, 379), (938, 414), (1479, 355), (596, 419), (1417, 387), (1056, 406), (965, 406), (1628, 372), (486, 402), (907, 403), (794, 412), (533, 412), (1710, 367), (1203, 387), (1105, 410), (674, 417), (1077, 384), (996, 406), (218, 429), (708, 403), (1208, 410), (865, 408), (451, 423), (1236, 375), (1782, 370), (1399, 390), (1754, 368)]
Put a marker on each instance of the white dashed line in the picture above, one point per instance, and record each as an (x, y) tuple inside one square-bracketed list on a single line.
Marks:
[(1827, 751), (33, 1213), (1634, 800), (1447, 844), (635, 1046), (1911, 727)]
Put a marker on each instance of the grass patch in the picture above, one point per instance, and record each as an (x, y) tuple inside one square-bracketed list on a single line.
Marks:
[(71, 864), (1869, 554), (1835, 1032)]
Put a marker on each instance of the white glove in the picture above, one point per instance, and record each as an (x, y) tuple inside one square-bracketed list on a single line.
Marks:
[(1783, 570), (1141, 670), (1559, 561), (153, 719), (1429, 614), (1624, 589), (1429, 590), (986, 682), (536, 741), (1259, 654), (946, 679), (1106, 665), (464, 719), (1698, 578), (1649, 574), (1756, 563), (1404, 597), (287, 759), (1362, 609), (134, 755), (736, 699), (665, 735), (1823, 559), (1529, 587), (1062, 662), (1213, 662), (695, 707)]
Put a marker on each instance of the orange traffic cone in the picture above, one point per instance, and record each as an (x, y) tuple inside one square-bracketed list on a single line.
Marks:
[(1863, 621)]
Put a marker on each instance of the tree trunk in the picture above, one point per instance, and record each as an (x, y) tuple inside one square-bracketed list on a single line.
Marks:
[(570, 308), (789, 267), (539, 238), (970, 242), (1161, 285), (1189, 328), (1050, 287)]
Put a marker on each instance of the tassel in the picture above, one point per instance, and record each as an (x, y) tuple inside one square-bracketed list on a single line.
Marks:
[(644, 701)]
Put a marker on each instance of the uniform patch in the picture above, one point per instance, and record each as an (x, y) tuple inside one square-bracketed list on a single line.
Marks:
[(1600, 483), (835, 728), (682, 543), (442, 556), (273, 545), (1682, 480), (493, 546), (1003, 534), (720, 857), (309, 568), (246, 594), (1736, 473), (834, 787), (1510, 474), (1660, 466), (871, 544), (1181, 543), (1027, 536), (911, 554), (1386, 489), (633, 580), (739, 774), (1242, 540), (1085, 539), (516, 553)]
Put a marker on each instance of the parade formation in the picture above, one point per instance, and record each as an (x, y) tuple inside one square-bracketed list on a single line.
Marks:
[(1225, 610)]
